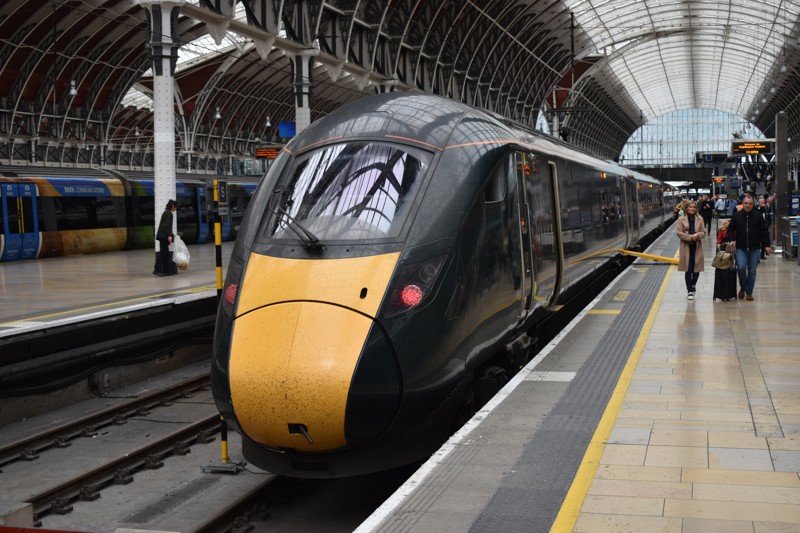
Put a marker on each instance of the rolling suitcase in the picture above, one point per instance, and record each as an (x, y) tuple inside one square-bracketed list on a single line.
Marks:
[(724, 283)]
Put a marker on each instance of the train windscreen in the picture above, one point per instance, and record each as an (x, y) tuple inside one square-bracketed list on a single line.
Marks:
[(351, 191)]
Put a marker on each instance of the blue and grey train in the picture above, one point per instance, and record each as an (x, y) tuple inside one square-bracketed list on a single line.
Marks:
[(391, 260), (50, 212)]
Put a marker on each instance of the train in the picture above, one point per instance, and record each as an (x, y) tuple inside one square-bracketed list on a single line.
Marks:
[(391, 271), (53, 212)]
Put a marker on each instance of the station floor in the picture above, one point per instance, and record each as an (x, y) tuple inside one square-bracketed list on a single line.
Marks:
[(47, 292), (700, 431), (695, 405)]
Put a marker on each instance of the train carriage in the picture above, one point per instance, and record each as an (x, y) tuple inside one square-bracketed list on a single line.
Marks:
[(390, 262), (44, 214)]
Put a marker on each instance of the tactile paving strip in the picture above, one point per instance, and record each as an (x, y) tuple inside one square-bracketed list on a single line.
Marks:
[(530, 496)]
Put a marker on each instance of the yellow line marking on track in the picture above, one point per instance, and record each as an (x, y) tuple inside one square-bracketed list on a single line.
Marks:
[(570, 508), (109, 304), (604, 312)]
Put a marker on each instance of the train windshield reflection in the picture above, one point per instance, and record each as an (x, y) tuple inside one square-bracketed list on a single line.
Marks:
[(352, 191)]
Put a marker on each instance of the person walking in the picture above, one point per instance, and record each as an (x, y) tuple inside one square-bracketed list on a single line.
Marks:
[(164, 236), (749, 230), (706, 211), (691, 232)]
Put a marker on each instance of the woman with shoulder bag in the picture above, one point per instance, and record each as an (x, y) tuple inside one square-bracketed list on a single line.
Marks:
[(691, 231)]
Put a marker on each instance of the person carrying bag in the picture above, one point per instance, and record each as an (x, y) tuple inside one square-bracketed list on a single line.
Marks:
[(725, 265)]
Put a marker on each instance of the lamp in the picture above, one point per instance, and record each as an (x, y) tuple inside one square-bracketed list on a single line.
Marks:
[(137, 132), (267, 123), (72, 89), (773, 89), (217, 116)]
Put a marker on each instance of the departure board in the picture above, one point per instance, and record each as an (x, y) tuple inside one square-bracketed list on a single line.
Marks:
[(751, 147)]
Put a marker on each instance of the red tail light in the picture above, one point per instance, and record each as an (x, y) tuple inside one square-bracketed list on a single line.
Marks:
[(230, 289), (413, 284), (411, 295), (230, 294)]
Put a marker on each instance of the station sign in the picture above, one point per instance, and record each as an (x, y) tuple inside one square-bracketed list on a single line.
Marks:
[(751, 147), (268, 153)]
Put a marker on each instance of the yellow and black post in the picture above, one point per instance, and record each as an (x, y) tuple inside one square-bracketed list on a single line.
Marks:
[(218, 237), (220, 208)]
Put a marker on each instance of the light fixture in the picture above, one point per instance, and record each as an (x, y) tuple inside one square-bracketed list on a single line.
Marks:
[(137, 132), (757, 111), (773, 89), (784, 68), (764, 98), (72, 89), (217, 116), (267, 124)]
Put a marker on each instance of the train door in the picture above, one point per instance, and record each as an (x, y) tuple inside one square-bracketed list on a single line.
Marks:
[(557, 233), (631, 205), (524, 168), (20, 222)]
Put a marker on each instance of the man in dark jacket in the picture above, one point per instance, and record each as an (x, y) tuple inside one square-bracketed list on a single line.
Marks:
[(706, 210), (164, 236), (751, 234)]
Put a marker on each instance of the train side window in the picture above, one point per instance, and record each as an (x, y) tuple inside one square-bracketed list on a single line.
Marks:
[(186, 214), (13, 215), (497, 187), (27, 214)]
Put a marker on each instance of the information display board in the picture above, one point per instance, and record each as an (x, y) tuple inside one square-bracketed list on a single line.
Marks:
[(267, 153), (739, 148)]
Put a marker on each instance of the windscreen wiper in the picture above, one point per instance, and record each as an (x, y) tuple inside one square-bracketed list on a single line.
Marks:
[(309, 240)]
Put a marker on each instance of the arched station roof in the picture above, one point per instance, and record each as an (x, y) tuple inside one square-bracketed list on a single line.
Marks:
[(600, 67)]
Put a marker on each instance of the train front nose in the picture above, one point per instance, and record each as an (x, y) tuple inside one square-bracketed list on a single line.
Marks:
[(312, 376)]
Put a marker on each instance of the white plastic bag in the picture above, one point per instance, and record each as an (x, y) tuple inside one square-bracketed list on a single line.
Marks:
[(180, 253)]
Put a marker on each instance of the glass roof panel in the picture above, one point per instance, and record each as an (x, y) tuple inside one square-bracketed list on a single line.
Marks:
[(678, 54), (189, 54)]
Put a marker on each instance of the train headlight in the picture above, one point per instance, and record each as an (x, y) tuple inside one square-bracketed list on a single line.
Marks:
[(414, 283)]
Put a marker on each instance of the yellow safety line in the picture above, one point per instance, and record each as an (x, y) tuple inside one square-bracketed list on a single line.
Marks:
[(604, 312), (570, 508), (671, 260), (109, 304)]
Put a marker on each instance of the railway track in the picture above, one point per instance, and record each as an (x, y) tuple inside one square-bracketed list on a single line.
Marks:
[(62, 435), (87, 486)]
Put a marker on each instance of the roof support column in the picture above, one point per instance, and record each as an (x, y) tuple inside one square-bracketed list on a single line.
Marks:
[(781, 203), (164, 43), (302, 73)]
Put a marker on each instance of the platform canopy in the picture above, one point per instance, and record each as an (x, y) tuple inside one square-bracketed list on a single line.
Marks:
[(75, 84)]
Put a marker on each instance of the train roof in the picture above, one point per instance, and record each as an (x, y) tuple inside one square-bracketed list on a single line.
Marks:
[(431, 120)]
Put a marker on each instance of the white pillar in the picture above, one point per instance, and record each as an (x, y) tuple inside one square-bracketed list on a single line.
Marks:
[(302, 72), (164, 43)]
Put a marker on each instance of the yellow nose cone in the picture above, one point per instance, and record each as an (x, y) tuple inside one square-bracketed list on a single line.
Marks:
[(291, 366)]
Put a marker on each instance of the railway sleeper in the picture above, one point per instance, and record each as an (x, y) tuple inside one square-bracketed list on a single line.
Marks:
[(62, 505), (123, 476), (89, 493), (153, 462)]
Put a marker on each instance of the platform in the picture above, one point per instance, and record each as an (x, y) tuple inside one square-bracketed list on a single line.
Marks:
[(648, 413), (62, 290)]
